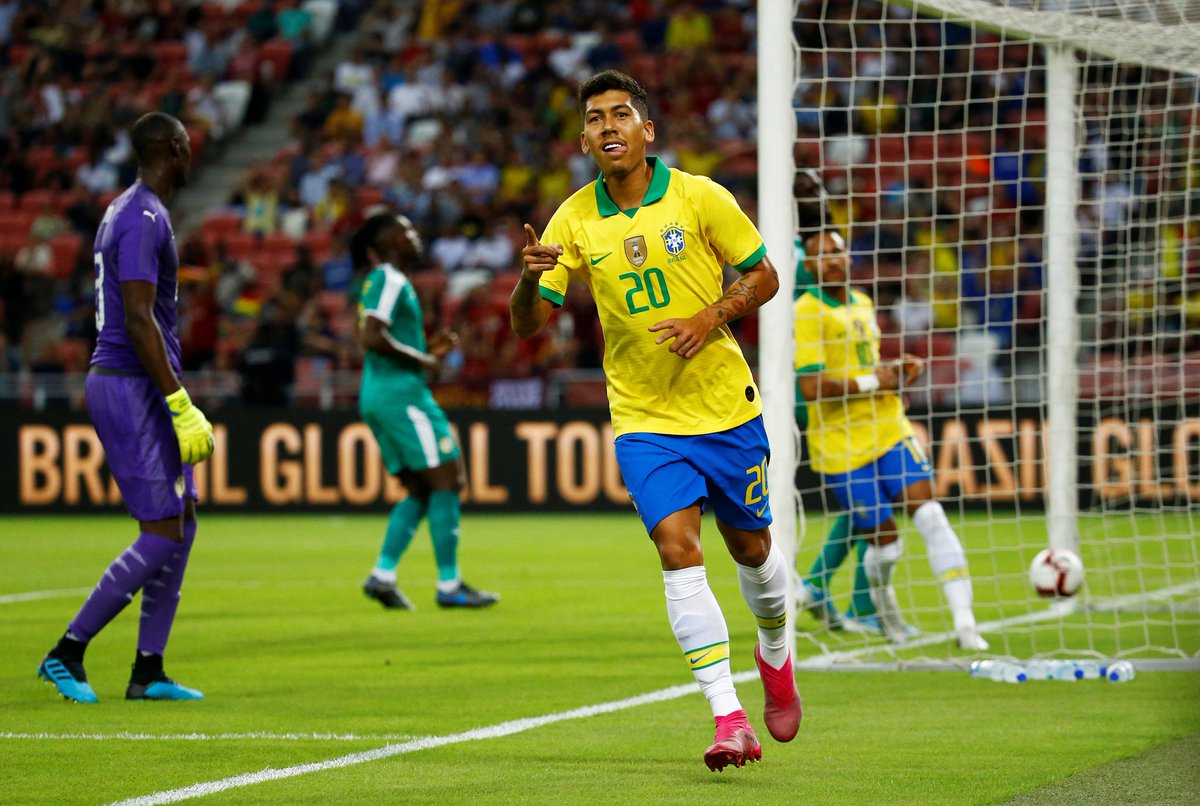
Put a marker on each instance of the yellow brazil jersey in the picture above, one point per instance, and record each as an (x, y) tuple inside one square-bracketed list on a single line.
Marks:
[(842, 341), (659, 261)]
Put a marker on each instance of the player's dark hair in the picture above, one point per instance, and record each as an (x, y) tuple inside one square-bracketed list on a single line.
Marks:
[(615, 80), (365, 238), (151, 133), (812, 211)]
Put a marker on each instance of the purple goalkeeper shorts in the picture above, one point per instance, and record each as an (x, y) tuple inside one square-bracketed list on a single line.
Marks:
[(134, 426)]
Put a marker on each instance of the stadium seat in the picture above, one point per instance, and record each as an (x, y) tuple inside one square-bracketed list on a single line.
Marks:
[(240, 244), (17, 222), (35, 201), (11, 243), (221, 224), (370, 196), (278, 53), (8, 201), (319, 243), (171, 55)]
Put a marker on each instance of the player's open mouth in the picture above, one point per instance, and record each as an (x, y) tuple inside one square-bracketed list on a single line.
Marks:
[(614, 148)]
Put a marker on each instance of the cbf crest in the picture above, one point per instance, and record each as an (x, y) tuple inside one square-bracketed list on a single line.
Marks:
[(635, 250), (673, 240)]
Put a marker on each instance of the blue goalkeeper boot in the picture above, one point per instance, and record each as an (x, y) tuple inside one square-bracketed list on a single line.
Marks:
[(148, 681), (68, 677), (163, 688)]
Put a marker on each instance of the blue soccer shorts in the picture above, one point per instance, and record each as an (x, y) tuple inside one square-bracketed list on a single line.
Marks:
[(665, 473), (867, 492)]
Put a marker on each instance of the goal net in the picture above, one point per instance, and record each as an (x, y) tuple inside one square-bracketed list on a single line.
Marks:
[(1019, 187)]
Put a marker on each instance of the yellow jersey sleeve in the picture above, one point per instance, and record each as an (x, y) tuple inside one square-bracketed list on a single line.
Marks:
[(553, 283), (730, 231)]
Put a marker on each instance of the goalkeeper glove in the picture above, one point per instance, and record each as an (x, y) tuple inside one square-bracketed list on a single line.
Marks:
[(192, 428)]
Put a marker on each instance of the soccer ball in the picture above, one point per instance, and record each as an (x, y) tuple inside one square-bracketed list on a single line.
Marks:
[(1056, 572)]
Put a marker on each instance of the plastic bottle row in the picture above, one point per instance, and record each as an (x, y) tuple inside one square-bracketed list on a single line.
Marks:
[(1009, 672)]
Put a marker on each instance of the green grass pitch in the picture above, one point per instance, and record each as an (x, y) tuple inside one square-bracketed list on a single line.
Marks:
[(299, 668)]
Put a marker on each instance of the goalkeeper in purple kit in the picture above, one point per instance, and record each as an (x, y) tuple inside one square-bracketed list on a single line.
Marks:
[(151, 432)]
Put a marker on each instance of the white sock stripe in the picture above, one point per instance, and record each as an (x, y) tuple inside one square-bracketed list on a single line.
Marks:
[(425, 435)]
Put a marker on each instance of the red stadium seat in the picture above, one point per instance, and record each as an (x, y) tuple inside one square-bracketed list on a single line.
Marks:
[(277, 52), (369, 196), (240, 244), (221, 224), (8, 201), (277, 243), (17, 222), (319, 242), (35, 201), (11, 243), (171, 55)]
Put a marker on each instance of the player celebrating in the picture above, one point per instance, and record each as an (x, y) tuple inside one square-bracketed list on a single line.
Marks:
[(411, 429), (650, 243), (151, 432), (862, 443)]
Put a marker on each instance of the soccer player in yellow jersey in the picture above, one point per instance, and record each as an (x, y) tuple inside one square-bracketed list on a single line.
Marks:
[(861, 441), (651, 242)]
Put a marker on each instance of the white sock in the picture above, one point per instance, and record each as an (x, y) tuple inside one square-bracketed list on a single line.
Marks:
[(878, 562), (383, 576), (947, 560), (700, 629), (765, 591)]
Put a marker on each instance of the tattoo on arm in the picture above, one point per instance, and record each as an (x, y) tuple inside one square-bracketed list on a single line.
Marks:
[(739, 299)]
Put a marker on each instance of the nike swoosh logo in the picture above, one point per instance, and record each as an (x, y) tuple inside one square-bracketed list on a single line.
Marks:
[(596, 260), (694, 661), (761, 511)]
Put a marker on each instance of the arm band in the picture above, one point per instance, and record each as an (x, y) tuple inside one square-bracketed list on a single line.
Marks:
[(867, 383)]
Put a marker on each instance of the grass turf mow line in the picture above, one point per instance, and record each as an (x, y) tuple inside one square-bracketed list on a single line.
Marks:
[(478, 734)]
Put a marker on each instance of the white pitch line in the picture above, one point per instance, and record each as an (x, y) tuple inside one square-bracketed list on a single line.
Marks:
[(33, 596), (478, 734), (209, 737)]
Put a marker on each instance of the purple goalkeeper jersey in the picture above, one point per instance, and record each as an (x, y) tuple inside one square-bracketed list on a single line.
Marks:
[(135, 242)]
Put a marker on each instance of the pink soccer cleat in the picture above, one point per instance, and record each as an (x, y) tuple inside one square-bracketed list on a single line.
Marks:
[(782, 711), (735, 743)]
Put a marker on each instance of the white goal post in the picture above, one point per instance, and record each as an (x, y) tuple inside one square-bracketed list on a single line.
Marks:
[(1058, 142)]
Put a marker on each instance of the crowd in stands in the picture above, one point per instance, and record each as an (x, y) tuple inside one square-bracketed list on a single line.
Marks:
[(462, 116)]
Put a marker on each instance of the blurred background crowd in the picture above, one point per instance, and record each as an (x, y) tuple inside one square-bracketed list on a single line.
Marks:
[(462, 115)]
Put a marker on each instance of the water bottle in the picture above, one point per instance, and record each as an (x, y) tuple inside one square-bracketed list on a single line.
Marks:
[(1089, 669), (1119, 672), (998, 670), (1051, 670)]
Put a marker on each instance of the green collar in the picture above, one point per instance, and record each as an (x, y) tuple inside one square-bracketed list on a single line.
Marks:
[(832, 302), (658, 188)]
